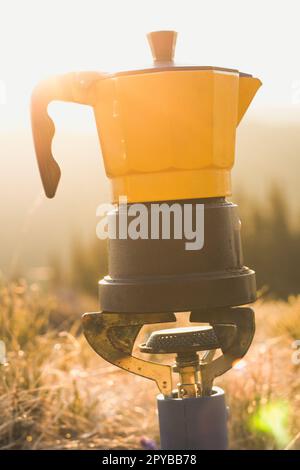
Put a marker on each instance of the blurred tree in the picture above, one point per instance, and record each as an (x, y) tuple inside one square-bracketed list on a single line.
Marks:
[(271, 245), (88, 264)]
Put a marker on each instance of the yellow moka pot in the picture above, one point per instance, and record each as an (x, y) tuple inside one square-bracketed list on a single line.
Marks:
[(166, 132)]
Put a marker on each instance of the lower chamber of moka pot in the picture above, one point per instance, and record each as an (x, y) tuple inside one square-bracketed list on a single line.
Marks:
[(197, 423), (156, 275)]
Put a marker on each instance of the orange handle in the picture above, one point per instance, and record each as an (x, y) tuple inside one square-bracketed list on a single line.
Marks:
[(74, 87)]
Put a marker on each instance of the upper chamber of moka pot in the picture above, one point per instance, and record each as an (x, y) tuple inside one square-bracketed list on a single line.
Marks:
[(167, 134)]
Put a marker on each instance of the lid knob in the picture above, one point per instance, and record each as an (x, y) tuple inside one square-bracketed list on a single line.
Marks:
[(162, 45)]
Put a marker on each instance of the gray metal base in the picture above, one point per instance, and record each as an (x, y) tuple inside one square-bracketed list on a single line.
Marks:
[(161, 275), (193, 423)]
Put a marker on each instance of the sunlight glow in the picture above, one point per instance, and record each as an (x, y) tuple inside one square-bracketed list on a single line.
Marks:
[(44, 38)]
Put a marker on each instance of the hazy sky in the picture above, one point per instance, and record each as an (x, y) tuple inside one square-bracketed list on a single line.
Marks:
[(40, 38)]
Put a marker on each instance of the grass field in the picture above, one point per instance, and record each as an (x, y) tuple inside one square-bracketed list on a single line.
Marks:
[(55, 393)]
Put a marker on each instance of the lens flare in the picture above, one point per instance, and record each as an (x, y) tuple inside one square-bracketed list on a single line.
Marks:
[(272, 420)]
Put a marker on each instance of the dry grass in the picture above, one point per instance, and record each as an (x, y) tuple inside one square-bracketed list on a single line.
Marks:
[(56, 393)]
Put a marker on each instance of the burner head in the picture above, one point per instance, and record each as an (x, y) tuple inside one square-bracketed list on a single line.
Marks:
[(176, 340)]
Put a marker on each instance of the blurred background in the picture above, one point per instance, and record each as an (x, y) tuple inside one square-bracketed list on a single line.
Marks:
[(55, 392), (42, 239)]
